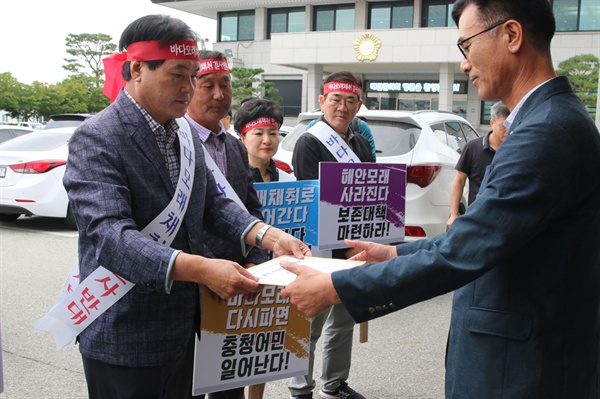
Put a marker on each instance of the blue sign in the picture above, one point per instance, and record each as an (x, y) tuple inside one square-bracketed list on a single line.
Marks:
[(292, 207)]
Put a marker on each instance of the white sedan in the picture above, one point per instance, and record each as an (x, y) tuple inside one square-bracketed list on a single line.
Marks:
[(31, 172), (428, 142)]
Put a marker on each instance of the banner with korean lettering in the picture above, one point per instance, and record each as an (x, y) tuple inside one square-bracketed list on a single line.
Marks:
[(249, 342), (292, 207), (74, 312), (363, 201)]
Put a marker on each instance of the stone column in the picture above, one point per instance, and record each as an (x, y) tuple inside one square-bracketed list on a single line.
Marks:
[(446, 83), (314, 82)]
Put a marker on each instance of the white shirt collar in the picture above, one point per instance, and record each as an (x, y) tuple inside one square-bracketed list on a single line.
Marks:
[(513, 114)]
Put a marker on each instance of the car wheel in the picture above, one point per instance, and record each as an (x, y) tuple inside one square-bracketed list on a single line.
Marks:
[(9, 217), (70, 219)]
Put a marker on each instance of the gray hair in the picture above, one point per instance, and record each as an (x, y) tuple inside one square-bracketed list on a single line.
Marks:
[(499, 110)]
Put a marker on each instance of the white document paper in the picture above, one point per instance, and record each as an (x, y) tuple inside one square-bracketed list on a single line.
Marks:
[(271, 272)]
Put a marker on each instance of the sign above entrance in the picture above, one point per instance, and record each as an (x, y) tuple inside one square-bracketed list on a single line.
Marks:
[(413, 87), (367, 47)]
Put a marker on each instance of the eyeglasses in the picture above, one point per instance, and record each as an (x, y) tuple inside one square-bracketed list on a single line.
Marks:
[(349, 102), (460, 43)]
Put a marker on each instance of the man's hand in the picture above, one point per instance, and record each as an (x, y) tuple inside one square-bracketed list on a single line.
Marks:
[(228, 279), (451, 220), (287, 244), (223, 277), (371, 252), (278, 241), (312, 292)]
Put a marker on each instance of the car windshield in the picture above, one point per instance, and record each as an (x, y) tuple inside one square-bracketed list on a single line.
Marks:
[(393, 138), (290, 139), (36, 142)]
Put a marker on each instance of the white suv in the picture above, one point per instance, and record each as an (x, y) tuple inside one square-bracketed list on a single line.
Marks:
[(32, 125), (428, 142)]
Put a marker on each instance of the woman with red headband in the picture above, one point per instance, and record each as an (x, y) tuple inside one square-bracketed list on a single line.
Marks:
[(258, 123)]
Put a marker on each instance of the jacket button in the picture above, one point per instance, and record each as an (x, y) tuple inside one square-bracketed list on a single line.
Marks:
[(371, 310), (378, 308)]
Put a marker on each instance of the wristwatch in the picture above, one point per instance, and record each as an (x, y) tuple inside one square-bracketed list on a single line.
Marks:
[(260, 235)]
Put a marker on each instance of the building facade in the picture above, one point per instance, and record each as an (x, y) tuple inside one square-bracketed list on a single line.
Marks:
[(404, 50)]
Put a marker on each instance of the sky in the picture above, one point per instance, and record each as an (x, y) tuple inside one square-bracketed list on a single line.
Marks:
[(33, 32)]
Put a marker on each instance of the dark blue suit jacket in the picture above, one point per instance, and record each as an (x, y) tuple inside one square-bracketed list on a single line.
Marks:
[(524, 260), (117, 183)]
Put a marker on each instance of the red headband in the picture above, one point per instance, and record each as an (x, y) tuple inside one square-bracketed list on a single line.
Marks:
[(212, 65), (263, 121), (345, 87), (150, 50)]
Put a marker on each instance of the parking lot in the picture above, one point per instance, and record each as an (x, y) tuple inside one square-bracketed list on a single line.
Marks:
[(404, 357)]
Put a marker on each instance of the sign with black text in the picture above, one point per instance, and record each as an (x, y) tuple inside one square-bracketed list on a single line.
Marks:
[(292, 207), (246, 342), (363, 201)]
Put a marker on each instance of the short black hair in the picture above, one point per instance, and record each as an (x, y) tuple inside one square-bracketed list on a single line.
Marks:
[(254, 109), (246, 99), (535, 16), (164, 28)]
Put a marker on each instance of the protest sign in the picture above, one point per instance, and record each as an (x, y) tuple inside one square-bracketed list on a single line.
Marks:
[(249, 342), (361, 201), (292, 207)]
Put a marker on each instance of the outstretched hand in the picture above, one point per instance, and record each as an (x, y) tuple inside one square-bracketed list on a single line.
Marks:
[(371, 252), (312, 292), (287, 244), (227, 279)]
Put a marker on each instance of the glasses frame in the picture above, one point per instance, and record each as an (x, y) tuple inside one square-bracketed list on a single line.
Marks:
[(461, 42), (348, 102)]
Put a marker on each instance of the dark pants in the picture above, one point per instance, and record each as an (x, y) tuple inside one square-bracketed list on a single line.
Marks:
[(237, 393), (170, 381)]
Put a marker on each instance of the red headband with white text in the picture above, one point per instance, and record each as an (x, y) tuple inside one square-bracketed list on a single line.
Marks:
[(346, 87), (213, 65), (263, 121), (150, 50)]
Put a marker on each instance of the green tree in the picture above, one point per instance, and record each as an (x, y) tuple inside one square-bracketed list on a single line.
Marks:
[(20, 100), (582, 72), (28, 103), (80, 92), (94, 100), (76, 95), (88, 51), (11, 91), (49, 99), (247, 83)]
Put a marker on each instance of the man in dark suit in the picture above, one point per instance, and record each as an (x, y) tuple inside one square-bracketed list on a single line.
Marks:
[(123, 170), (210, 103), (524, 259)]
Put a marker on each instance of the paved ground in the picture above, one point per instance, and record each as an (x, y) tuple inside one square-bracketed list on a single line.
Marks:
[(404, 358)]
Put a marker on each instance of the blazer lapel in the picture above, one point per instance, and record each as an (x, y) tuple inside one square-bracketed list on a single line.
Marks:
[(140, 132)]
